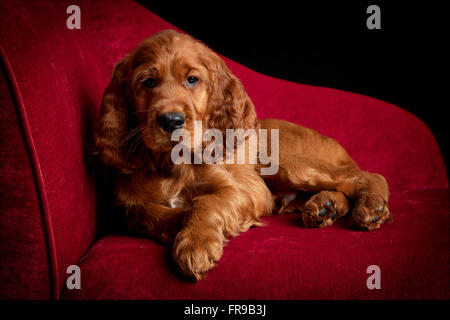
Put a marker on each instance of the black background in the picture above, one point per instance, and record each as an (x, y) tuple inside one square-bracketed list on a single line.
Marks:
[(327, 43)]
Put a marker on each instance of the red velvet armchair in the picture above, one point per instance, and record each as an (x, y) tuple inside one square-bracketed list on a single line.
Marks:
[(51, 84)]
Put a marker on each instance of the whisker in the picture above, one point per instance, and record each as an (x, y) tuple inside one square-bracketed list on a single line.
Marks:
[(132, 134), (137, 140), (135, 144)]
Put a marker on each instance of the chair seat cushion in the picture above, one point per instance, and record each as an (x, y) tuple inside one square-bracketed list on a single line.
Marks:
[(284, 260)]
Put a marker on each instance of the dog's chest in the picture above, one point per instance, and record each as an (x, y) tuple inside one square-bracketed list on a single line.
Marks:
[(175, 191), (175, 201), (172, 194)]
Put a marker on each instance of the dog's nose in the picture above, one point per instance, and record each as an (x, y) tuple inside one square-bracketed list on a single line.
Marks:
[(171, 121)]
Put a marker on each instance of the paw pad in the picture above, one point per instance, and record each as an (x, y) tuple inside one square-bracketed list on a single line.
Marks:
[(375, 219), (323, 212)]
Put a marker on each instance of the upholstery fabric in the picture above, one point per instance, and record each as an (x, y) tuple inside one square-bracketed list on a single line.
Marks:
[(50, 99), (284, 260), (23, 254), (56, 75)]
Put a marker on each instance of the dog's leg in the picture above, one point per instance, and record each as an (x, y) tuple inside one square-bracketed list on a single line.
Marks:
[(199, 244), (319, 210), (309, 161), (222, 210), (370, 193)]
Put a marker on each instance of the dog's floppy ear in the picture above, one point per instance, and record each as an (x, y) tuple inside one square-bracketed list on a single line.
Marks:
[(229, 105), (115, 123)]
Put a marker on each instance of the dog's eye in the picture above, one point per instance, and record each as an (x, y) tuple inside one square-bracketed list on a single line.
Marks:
[(149, 82), (191, 81)]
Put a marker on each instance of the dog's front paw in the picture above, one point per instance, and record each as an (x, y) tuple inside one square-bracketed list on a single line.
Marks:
[(370, 212), (196, 255)]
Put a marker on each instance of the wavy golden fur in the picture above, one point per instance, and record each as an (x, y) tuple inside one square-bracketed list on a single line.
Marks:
[(198, 206)]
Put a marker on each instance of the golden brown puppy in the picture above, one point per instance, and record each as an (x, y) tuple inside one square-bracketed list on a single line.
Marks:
[(171, 81)]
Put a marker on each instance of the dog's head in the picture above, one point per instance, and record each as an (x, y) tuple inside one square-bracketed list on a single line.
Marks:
[(169, 81)]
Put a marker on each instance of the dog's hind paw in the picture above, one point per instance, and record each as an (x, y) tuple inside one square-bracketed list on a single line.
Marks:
[(370, 212), (319, 212)]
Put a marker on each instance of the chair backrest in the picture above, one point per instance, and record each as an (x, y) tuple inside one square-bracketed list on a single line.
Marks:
[(52, 81)]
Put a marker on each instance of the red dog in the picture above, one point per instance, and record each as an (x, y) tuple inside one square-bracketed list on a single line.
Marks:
[(171, 80)]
